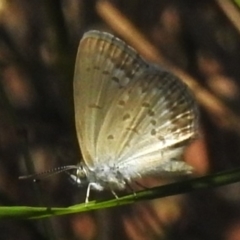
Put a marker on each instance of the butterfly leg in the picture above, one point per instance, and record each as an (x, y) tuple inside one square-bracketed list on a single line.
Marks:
[(88, 193), (114, 194)]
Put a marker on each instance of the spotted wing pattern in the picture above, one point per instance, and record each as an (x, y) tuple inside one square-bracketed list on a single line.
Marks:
[(130, 114)]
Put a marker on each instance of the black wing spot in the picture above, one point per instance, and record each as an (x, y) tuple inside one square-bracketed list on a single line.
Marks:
[(153, 132), (105, 72), (115, 79), (126, 116), (132, 129), (121, 103), (153, 122), (151, 113), (110, 137), (146, 104), (96, 68)]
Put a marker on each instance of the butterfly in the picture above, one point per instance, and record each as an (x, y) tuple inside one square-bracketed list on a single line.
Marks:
[(133, 119)]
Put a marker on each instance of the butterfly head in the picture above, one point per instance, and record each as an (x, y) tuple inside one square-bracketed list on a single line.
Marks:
[(80, 175)]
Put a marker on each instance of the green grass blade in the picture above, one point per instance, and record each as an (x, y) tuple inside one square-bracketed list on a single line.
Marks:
[(187, 186)]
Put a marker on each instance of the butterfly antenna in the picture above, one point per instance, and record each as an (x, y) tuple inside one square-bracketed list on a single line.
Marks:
[(48, 173)]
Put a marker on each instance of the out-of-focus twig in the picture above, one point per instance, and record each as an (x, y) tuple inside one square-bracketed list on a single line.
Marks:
[(231, 12), (121, 25)]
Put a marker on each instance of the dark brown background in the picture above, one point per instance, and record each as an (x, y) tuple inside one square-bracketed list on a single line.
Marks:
[(38, 43)]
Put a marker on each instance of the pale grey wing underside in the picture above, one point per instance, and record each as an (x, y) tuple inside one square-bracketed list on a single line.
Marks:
[(104, 67), (129, 114)]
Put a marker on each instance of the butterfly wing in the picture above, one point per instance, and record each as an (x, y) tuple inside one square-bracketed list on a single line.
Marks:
[(149, 132), (130, 114), (104, 67)]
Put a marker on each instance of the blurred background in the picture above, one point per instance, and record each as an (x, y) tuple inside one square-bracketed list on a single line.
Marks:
[(197, 40)]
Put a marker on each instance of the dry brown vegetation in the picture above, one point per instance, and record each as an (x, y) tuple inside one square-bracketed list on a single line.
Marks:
[(197, 40)]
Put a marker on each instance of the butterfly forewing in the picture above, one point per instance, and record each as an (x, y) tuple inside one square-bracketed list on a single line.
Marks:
[(104, 67)]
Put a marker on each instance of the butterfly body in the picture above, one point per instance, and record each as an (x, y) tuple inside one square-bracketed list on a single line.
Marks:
[(117, 177), (100, 178)]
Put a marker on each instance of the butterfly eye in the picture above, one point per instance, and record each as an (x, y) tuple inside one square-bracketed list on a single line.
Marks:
[(80, 176), (81, 172)]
